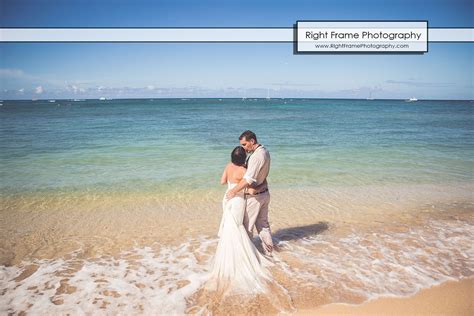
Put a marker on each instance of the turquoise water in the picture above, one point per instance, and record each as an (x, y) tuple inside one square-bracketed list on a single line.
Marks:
[(148, 145)]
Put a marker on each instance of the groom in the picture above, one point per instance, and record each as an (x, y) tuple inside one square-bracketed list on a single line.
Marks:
[(258, 167)]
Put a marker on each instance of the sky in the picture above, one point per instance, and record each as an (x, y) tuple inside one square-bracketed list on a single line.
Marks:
[(184, 70)]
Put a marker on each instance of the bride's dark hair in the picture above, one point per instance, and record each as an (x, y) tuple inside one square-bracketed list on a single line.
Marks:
[(238, 156)]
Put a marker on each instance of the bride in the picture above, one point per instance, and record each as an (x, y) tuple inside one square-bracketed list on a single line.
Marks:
[(238, 266)]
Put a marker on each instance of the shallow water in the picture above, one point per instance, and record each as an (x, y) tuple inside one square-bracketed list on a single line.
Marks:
[(137, 145)]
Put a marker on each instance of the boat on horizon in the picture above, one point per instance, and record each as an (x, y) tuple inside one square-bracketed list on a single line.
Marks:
[(411, 100), (370, 98)]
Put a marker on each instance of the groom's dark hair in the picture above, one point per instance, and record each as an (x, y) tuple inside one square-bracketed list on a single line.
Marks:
[(248, 136), (238, 156)]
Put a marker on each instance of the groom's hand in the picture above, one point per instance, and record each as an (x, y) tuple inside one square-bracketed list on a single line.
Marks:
[(230, 194)]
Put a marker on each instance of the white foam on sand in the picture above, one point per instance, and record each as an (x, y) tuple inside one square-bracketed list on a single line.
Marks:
[(374, 264), (139, 282), (363, 265)]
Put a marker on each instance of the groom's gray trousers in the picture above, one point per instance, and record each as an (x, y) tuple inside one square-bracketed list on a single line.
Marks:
[(257, 215)]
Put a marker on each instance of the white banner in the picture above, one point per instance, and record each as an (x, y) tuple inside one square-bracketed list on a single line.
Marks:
[(225, 35)]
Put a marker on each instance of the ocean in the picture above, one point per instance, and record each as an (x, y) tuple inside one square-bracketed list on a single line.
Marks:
[(369, 198)]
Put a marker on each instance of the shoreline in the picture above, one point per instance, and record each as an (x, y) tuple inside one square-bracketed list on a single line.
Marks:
[(447, 298), (51, 226)]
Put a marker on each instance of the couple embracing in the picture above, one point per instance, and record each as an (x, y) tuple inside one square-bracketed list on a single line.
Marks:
[(238, 266)]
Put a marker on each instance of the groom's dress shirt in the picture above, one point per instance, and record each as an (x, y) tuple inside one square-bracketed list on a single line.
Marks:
[(258, 167)]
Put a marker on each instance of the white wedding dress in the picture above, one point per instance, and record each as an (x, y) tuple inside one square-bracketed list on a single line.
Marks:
[(238, 267)]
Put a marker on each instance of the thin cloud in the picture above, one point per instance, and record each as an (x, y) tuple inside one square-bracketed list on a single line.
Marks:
[(294, 84), (12, 73), (414, 83), (22, 78)]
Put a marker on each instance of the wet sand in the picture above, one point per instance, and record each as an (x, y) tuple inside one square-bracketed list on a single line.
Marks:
[(450, 298)]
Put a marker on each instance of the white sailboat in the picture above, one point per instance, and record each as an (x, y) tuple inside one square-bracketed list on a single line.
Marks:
[(370, 97), (268, 94)]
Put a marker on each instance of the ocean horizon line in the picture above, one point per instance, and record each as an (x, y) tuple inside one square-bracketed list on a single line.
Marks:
[(227, 98)]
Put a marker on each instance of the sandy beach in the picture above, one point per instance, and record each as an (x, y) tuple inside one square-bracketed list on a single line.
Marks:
[(449, 298)]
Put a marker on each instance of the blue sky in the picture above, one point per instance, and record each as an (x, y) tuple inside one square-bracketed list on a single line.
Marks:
[(90, 70)]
